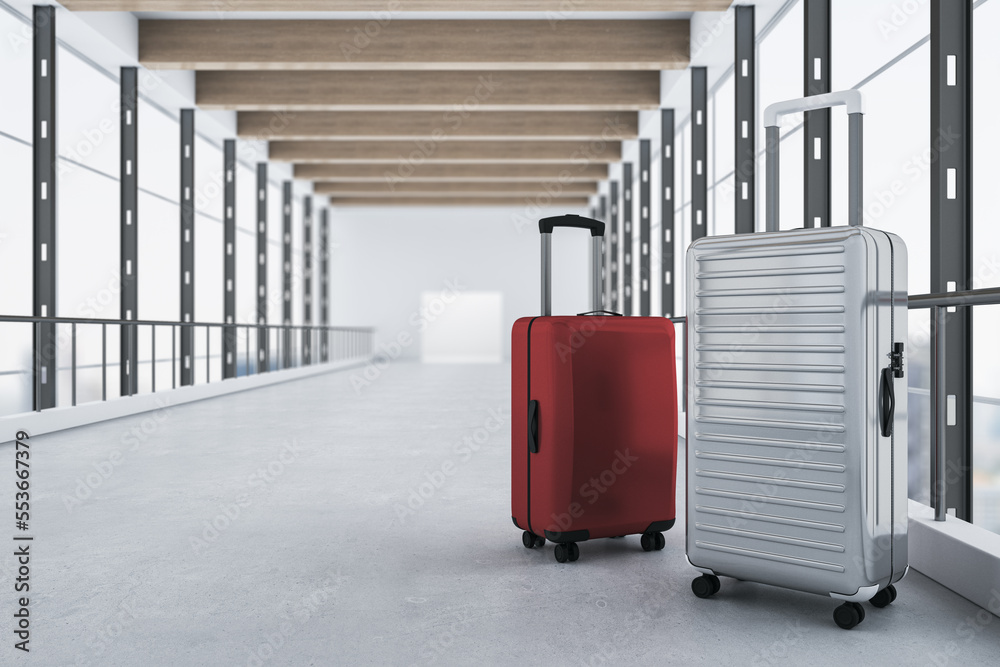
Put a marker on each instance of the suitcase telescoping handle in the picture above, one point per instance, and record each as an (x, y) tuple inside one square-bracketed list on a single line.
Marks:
[(855, 103), (596, 227)]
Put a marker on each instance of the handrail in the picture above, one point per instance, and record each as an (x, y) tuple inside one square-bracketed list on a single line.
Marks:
[(334, 343), (166, 323), (939, 304), (989, 296)]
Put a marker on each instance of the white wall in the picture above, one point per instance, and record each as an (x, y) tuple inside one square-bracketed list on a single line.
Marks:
[(384, 258)]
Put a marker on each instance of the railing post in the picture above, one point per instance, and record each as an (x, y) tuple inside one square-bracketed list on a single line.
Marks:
[(229, 342), (187, 276), (939, 414), (128, 224), (627, 208), (104, 361), (44, 209), (263, 337), (73, 362)]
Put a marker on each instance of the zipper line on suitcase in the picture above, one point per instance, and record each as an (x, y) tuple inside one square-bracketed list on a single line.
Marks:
[(528, 450), (892, 438)]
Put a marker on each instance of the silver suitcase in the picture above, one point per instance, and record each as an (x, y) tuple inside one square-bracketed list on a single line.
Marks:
[(796, 441)]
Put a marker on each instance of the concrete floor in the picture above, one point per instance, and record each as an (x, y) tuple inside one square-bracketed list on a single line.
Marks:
[(266, 528)]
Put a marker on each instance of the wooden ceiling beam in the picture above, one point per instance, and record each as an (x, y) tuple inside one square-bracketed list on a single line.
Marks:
[(465, 173), (387, 8), (513, 202), (414, 154), (444, 188), (457, 92), (424, 125), (485, 44)]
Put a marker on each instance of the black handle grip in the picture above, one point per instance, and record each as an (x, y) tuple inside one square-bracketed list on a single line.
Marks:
[(887, 400), (533, 427), (546, 225), (600, 312)]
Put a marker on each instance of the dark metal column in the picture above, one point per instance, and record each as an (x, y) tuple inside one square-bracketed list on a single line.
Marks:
[(602, 215), (746, 120), (286, 267), (816, 71), (44, 168), (645, 234), (614, 261), (627, 238), (229, 335), (187, 245), (263, 363), (667, 212), (307, 224), (128, 221), (699, 152), (951, 229), (324, 282)]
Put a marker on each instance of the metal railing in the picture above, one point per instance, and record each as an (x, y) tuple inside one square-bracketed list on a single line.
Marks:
[(939, 305), (333, 344)]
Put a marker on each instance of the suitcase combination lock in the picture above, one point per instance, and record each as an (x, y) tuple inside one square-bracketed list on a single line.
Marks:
[(896, 360)]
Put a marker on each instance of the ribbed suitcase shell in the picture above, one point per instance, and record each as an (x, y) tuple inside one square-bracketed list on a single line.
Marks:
[(789, 480), (607, 426)]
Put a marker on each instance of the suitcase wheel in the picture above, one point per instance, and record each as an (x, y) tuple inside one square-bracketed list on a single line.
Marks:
[(532, 541), (652, 541), (848, 615), (706, 585), (884, 597), (567, 552)]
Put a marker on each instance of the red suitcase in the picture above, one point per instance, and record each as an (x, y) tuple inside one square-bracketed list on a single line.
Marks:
[(594, 414)]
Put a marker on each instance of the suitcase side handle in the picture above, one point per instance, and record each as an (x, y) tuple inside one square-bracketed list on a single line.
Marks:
[(596, 227), (887, 402), (855, 103)]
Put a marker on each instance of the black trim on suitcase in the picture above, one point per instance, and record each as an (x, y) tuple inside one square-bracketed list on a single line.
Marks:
[(660, 526), (530, 438), (515, 523), (571, 536)]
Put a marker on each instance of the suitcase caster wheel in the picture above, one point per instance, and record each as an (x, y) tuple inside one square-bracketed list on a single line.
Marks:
[(539, 541), (647, 541), (567, 552), (884, 597), (660, 541), (706, 585), (528, 540), (848, 615)]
